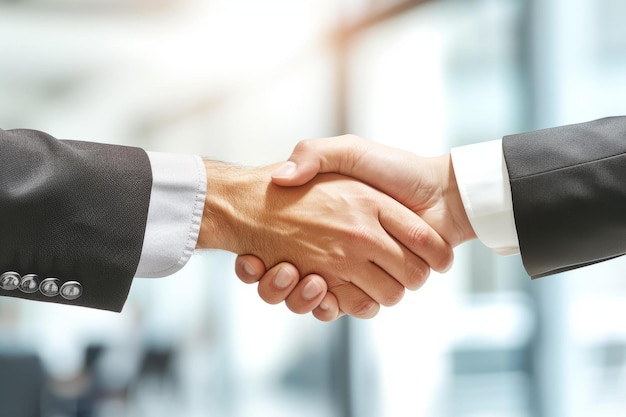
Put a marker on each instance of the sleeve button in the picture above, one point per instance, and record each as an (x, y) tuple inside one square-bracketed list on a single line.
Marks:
[(29, 284), (9, 281), (71, 290), (50, 287)]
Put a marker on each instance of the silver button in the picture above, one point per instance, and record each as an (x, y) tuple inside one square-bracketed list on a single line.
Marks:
[(29, 284), (50, 287), (71, 290), (9, 281)]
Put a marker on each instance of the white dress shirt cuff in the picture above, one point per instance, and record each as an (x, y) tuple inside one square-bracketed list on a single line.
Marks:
[(483, 182), (174, 214)]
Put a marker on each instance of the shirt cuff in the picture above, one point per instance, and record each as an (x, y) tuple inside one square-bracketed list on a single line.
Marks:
[(483, 182), (174, 214)]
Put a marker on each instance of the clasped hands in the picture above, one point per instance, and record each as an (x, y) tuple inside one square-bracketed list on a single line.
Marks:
[(344, 226)]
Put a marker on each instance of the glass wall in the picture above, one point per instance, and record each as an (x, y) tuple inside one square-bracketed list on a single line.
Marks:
[(483, 339), (446, 74)]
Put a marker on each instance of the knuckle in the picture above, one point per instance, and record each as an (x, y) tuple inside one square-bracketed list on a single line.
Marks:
[(365, 309), (393, 296), (304, 145), (447, 257), (417, 276), (420, 236)]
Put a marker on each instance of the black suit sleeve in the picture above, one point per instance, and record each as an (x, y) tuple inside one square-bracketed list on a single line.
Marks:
[(569, 194), (71, 213)]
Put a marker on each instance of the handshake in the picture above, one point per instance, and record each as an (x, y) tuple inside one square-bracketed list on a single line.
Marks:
[(347, 225), (342, 227)]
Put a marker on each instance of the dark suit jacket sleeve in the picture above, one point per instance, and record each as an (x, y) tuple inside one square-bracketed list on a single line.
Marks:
[(569, 194), (73, 211)]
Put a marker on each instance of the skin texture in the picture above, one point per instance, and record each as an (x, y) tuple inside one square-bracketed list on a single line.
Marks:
[(367, 246), (427, 186)]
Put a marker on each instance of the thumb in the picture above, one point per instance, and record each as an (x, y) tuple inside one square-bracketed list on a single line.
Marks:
[(293, 173), (314, 156)]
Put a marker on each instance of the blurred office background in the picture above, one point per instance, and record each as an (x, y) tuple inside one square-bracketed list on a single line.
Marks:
[(243, 81)]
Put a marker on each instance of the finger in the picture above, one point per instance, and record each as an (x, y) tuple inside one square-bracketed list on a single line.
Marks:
[(307, 295), (354, 301), (328, 310), (277, 283), (420, 239), (313, 156), (249, 268), (389, 169), (375, 282)]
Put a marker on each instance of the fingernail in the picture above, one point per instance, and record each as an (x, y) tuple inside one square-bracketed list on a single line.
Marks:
[(286, 170), (324, 306), (311, 290), (282, 279), (248, 268)]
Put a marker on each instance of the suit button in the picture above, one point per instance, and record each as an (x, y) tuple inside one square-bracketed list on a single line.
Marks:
[(29, 284), (50, 287), (9, 281), (71, 290)]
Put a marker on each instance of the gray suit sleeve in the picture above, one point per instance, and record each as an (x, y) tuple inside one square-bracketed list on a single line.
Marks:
[(72, 219), (569, 194)]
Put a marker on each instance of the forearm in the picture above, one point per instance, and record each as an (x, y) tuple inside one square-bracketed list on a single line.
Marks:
[(233, 207), (72, 211), (569, 195)]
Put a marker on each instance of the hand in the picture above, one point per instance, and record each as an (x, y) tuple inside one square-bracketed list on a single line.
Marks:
[(282, 283), (363, 242), (425, 185)]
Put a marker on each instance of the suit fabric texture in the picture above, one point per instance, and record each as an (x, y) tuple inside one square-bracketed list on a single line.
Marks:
[(569, 194), (74, 211)]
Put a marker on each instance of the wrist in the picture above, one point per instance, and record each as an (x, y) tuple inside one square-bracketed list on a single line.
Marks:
[(229, 188), (454, 202)]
